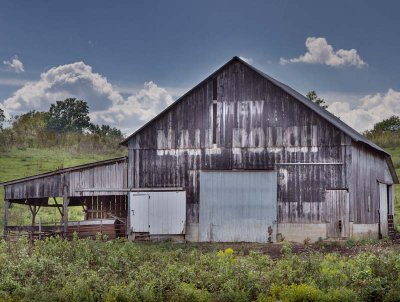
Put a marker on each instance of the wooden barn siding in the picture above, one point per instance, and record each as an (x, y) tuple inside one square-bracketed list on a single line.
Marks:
[(367, 168), (41, 187), (259, 126), (107, 176)]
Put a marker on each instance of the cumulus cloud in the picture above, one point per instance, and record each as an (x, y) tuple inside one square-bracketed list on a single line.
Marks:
[(135, 109), (320, 52), (368, 110), (15, 64), (106, 103), (247, 60)]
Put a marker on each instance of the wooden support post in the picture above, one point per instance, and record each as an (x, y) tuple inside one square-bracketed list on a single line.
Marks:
[(33, 211), (65, 210), (6, 207), (58, 207)]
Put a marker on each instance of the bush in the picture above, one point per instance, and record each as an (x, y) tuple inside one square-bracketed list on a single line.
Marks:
[(94, 270)]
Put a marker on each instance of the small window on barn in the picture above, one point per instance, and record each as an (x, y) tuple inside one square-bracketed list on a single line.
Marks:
[(214, 121), (214, 111), (215, 86)]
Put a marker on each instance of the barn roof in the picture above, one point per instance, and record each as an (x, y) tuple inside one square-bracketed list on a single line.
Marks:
[(60, 171), (357, 137), (319, 110)]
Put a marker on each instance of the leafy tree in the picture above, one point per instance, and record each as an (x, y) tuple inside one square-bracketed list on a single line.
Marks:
[(312, 95), (390, 125), (70, 115), (2, 118), (105, 131), (29, 129)]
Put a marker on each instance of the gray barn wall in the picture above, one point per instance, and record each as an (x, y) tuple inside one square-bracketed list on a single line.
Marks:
[(368, 168), (259, 126)]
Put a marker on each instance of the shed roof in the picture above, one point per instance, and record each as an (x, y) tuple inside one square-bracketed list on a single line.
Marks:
[(60, 171)]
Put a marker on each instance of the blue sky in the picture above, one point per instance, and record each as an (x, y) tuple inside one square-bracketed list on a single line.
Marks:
[(131, 59)]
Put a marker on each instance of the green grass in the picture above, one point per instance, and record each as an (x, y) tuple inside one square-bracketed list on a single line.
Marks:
[(17, 163)]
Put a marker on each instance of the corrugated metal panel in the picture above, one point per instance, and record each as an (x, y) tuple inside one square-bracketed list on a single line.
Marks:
[(159, 213), (237, 206)]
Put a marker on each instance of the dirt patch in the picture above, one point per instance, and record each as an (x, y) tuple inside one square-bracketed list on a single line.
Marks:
[(274, 250)]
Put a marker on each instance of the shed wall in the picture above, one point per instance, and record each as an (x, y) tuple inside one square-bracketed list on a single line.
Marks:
[(111, 175)]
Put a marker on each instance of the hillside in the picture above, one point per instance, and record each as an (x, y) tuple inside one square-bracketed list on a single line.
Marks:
[(22, 162)]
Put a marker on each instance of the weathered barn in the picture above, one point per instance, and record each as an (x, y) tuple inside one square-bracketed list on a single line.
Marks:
[(243, 157)]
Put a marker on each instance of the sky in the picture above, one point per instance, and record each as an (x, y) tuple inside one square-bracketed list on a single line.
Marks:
[(131, 59)]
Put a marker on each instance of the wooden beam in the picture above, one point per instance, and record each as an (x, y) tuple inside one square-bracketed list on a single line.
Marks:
[(65, 210), (34, 210), (59, 206), (6, 207)]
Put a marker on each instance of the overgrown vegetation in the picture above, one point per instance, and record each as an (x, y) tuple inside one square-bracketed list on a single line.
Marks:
[(88, 270), (386, 133), (66, 125)]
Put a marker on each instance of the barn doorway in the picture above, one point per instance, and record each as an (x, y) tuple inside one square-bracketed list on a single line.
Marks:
[(383, 210), (337, 213), (238, 206), (157, 213)]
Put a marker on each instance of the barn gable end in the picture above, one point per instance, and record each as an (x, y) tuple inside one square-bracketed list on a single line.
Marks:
[(246, 122)]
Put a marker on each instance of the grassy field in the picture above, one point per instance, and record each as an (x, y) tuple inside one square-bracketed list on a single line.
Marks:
[(17, 163)]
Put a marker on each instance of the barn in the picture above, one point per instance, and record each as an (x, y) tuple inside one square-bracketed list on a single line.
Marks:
[(241, 157)]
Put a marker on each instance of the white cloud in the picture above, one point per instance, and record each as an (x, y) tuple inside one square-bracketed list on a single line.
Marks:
[(12, 82), (106, 103), (320, 52), (368, 110), (136, 109), (15, 64), (247, 60)]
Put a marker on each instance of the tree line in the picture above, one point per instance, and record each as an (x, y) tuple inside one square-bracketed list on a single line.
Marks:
[(66, 124)]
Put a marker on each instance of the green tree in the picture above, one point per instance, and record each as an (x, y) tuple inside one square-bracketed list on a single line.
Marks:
[(312, 95), (105, 131), (70, 115), (389, 125), (29, 129), (2, 118)]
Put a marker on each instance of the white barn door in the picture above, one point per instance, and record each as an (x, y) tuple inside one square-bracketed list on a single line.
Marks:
[(383, 209), (139, 213), (158, 213)]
